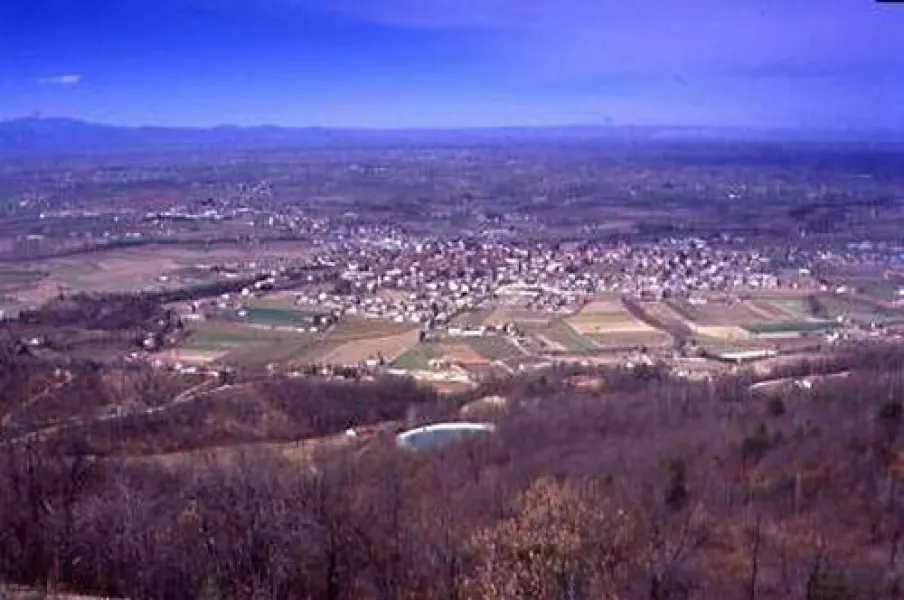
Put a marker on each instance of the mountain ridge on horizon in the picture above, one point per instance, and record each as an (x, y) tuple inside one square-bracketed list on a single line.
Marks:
[(36, 134)]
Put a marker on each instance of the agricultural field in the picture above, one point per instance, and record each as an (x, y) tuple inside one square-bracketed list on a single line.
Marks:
[(236, 343), (138, 268), (495, 348), (666, 318), (350, 328), (351, 342), (717, 313), (389, 347), (419, 357), (473, 318), (767, 329), (278, 317), (859, 308), (565, 337), (797, 308), (458, 353), (523, 317), (225, 337), (463, 354), (874, 281), (719, 345), (611, 325), (730, 333), (276, 300), (297, 351), (739, 321)]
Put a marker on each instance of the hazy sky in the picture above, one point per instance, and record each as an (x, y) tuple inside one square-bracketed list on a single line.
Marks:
[(400, 63)]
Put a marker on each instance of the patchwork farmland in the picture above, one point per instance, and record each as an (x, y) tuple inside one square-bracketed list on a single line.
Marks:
[(611, 325), (562, 337), (743, 320)]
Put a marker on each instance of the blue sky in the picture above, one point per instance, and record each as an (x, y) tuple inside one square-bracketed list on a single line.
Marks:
[(439, 63)]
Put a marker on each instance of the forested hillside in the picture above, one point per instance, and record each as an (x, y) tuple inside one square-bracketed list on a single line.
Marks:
[(642, 487)]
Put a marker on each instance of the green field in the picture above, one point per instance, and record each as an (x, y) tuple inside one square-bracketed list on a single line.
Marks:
[(223, 341), (300, 350), (561, 333), (418, 358), (250, 346), (278, 317), (802, 327), (495, 348), (225, 336)]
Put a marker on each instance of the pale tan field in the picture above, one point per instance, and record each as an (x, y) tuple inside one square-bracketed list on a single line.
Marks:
[(611, 359), (722, 332), (607, 316), (280, 299), (128, 269), (607, 305), (190, 356), (521, 316), (354, 352)]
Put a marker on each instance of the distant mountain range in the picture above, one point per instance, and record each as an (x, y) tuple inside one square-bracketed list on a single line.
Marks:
[(37, 135)]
